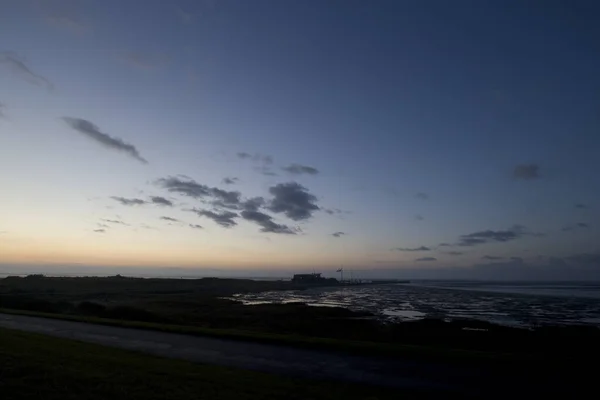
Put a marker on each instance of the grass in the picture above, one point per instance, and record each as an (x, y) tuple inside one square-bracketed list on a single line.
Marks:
[(423, 353), (34, 366)]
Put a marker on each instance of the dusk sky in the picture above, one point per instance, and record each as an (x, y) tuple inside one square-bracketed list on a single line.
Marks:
[(395, 138)]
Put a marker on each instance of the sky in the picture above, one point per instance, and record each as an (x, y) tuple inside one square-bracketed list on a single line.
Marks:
[(394, 138)]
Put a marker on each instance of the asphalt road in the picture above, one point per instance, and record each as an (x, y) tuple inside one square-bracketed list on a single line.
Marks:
[(260, 357)]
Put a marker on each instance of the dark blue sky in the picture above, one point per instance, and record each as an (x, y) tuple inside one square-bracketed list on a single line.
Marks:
[(468, 123)]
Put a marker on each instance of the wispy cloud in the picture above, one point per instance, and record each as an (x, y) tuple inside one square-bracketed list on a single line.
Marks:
[(425, 259), (191, 188), (455, 253), (422, 196), (262, 162), (338, 234), (526, 171), (266, 222), (195, 226), (92, 132), (490, 236), (226, 219), (578, 225), (62, 17), (419, 217), (420, 248), (128, 202), (161, 201), (293, 200), (492, 258), (299, 169), (230, 180), (169, 219), (2, 110), (114, 221), (18, 66), (332, 211), (265, 170), (100, 230), (581, 206), (257, 157)]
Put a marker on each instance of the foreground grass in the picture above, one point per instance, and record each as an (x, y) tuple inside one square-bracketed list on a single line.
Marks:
[(42, 367), (423, 353)]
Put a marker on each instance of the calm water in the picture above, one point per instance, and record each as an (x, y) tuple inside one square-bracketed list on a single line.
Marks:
[(514, 304)]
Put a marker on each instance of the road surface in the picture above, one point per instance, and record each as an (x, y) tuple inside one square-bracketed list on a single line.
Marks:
[(257, 356)]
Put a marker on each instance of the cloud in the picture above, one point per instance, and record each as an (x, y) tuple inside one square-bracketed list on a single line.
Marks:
[(265, 170), (114, 221), (422, 196), (292, 199), (332, 211), (103, 226), (161, 201), (146, 226), (338, 234), (144, 60), (2, 108), (426, 259), (253, 204), (226, 198), (18, 66), (516, 259), (169, 219), (262, 162), (299, 169), (92, 132), (444, 245), (489, 236), (455, 253), (225, 219), (579, 225), (230, 180), (257, 157), (128, 202), (266, 222), (492, 258), (195, 226), (421, 248), (581, 206), (189, 187), (100, 230), (419, 217), (526, 171)]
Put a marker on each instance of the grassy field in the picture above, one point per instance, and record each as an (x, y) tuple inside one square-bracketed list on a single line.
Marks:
[(422, 353), (39, 367)]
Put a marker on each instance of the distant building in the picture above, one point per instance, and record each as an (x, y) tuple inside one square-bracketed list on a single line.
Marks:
[(312, 279)]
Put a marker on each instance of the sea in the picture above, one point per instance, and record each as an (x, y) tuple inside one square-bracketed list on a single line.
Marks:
[(518, 304)]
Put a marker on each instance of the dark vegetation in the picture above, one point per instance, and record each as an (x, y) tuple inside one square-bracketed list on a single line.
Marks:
[(198, 306), (41, 367)]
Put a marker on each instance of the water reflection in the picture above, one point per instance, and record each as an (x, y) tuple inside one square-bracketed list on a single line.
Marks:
[(411, 302)]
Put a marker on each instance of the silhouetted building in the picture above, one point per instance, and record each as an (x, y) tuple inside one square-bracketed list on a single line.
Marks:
[(312, 279)]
